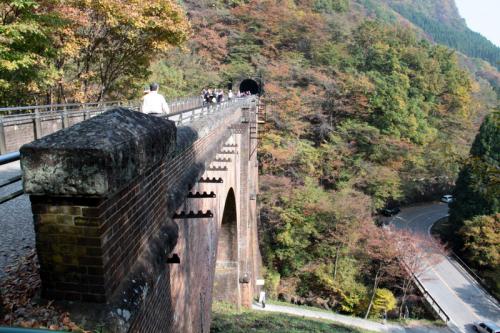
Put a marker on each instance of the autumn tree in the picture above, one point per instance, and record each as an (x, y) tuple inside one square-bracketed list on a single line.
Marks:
[(26, 51), (113, 44), (382, 255), (82, 50), (481, 247), (383, 302), (481, 237), (416, 254)]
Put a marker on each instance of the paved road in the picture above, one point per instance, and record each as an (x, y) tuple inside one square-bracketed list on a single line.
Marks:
[(17, 235), (348, 320), (450, 285)]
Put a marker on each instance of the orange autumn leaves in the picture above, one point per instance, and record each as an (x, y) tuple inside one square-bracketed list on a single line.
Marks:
[(99, 48)]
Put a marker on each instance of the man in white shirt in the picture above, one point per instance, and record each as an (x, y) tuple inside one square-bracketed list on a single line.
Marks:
[(153, 102)]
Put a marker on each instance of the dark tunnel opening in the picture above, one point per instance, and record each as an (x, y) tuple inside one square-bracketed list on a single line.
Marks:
[(250, 85)]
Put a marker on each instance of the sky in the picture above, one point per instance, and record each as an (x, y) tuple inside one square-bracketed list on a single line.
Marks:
[(482, 16)]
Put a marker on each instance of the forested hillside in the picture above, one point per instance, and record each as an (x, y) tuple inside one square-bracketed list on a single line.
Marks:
[(441, 20), (362, 114), (475, 214)]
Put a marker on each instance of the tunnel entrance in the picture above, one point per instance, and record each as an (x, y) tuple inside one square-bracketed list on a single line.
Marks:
[(226, 267), (250, 85)]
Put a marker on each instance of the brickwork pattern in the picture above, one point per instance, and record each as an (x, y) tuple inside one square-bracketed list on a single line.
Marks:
[(115, 230), (90, 248)]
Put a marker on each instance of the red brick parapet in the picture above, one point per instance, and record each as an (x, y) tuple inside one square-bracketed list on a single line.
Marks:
[(104, 193)]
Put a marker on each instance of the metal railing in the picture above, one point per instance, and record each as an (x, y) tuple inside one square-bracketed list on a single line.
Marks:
[(58, 116), (175, 104), (179, 117), (33, 118), (474, 276), (199, 111), (10, 157), (5, 159), (428, 297), (432, 302), (19, 110)]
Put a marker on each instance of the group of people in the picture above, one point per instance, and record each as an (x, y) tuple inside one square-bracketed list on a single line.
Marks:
[(153, 102), (215, 96)]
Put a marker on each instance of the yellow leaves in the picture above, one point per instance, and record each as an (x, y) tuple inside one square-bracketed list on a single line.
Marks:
[(8, 65), (159, 22)]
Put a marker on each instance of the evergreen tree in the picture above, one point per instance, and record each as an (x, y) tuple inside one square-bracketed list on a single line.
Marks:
[(477, 190)]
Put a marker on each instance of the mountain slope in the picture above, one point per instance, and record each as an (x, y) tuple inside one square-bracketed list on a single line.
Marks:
[(442, 22)]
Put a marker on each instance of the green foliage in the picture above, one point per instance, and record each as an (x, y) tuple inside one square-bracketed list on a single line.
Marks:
[(487, 142), (227, 319), (382, 184), (481, 237), (296, 230), (26, 52), (351, 290), (477, 190), (376, 9), (82, 50), (329, 6), (344, 287), (330, 54), (383, 302), (307, 157), (460, 38), (474, 213), (412, 81), (320, 279), (182, 74), (272, 281)]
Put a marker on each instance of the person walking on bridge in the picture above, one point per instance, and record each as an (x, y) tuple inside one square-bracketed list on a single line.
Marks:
[(154, 102)]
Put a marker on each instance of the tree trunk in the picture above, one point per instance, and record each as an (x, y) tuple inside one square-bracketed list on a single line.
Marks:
[(406, 285), (336, 263), (375, 284)]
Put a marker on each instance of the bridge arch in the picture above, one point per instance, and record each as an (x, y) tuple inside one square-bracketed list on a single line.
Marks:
[(226, 285), (227, 245)]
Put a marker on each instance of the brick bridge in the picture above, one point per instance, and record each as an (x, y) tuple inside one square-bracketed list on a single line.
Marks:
[(141, 222)]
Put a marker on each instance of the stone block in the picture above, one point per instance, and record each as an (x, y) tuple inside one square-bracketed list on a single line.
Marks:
[(97, 157)]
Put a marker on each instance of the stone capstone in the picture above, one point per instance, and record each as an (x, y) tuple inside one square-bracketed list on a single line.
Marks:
[(97, 157)]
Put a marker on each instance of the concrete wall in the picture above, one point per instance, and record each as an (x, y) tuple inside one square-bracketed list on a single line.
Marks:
[(129, 211), (24, 128)]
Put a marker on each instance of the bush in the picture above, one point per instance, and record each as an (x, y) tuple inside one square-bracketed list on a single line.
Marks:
[(272, 282), (384, 302)]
